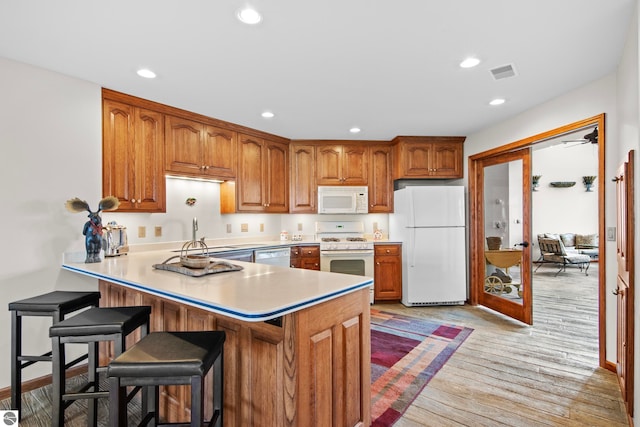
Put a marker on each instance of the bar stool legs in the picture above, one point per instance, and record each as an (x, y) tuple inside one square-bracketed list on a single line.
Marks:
[(56, 305), (91, 327)]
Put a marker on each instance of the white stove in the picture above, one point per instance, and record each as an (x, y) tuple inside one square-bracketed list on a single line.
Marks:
[(344, 249)]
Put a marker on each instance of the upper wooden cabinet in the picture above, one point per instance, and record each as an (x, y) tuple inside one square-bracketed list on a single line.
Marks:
[(133, 157), (380, 178), (263, 178), (428, 157), (303, 179), (200, 150), (344, 164)]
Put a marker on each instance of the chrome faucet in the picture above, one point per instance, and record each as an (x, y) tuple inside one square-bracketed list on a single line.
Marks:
[(195, 228)]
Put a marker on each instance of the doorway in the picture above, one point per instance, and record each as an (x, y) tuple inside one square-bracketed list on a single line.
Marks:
[(478, 233)]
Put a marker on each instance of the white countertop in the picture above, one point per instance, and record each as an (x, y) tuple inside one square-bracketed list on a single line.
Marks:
[(259, 292)]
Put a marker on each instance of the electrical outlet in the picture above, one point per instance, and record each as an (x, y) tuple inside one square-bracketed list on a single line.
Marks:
[(261, 227), (158, 231), (228, 228), (142, 231), (244, 228), (375, 226), (299, 226)]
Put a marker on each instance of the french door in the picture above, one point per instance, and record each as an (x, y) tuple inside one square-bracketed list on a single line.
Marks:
[(500, 233)]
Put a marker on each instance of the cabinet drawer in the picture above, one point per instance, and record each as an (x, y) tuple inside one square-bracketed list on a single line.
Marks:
[(309, 251), (387, 249)]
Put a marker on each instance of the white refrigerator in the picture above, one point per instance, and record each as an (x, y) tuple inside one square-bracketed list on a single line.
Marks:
[(430, 223)]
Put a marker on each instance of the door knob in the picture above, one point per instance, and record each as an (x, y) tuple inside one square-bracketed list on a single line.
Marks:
[(523, 244), (616, 291)]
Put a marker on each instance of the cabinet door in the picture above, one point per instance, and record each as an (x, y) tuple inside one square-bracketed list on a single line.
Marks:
[(380, 179), (149, 161), (132, 157), (184, 147), (220, 149), (387, 273), (118, 153), (303, 179), (355, 161), (447, 160), (276, 178), (329, 164), (250, 189), (416, 159)]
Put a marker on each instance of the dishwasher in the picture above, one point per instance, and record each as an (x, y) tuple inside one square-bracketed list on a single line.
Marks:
[(274, 256)]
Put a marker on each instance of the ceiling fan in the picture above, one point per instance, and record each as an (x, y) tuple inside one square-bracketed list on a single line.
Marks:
[(591, 137)]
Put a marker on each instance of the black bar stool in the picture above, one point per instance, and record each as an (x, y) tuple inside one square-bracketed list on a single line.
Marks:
[(56, 305), (91, 327), (168, 358)]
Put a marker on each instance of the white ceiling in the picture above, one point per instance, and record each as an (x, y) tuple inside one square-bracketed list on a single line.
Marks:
[(389, 67)]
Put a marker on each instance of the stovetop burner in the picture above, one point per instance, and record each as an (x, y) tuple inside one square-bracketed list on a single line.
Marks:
[(329, 239), (356, 239)]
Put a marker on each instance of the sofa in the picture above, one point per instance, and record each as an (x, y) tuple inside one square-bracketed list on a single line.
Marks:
[(567, 249)]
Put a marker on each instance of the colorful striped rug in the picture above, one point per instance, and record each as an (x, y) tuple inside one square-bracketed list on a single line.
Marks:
[(406, 352)]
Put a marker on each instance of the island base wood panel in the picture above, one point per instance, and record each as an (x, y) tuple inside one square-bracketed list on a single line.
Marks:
[(314, 370)]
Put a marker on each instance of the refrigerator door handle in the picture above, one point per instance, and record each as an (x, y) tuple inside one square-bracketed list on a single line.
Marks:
[(412, 246)]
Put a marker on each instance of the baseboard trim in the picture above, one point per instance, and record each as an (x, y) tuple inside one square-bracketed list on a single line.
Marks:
[(35, 383)]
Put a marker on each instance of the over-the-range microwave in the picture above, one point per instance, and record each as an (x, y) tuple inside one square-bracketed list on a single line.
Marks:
[(343, 199)]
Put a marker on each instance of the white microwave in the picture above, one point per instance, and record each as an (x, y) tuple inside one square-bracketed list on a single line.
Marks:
[(343, 199)]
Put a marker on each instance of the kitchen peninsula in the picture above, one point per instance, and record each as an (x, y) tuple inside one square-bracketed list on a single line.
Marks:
[(297, 351)]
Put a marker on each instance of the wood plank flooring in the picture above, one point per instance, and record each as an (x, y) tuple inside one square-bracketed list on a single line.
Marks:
[(505, 374), (510, 374)]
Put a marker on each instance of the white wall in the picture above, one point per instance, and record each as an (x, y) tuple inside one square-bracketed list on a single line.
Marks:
[(51, 150), (564, 210)]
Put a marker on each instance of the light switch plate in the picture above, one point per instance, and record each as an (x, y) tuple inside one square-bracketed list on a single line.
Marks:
[(299, 226), (158, 231), (261, 227), (611, 234), (142, 231), (244, 228), (228, 228)]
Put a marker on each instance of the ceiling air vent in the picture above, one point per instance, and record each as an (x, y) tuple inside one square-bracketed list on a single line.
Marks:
[(503, 72)]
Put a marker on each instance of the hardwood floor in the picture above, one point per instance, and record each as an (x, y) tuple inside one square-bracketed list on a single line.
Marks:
[(510, 374), (505, 374)]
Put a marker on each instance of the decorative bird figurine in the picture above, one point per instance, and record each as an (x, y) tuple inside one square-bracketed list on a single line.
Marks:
[(93, 228)]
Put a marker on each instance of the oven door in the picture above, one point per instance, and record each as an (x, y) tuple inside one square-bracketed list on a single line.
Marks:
[(356, 262)]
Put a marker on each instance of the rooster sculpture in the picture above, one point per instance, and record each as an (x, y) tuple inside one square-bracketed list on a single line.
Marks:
[(93, 228)]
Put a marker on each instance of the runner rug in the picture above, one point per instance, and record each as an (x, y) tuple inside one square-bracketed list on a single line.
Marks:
[(406, 352)]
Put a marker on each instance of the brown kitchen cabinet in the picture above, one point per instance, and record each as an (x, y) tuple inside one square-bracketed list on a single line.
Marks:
[(199, 150), (387, 272), (133, 156), (303, 179), (428, 157), (344, 164), (380, 179), (307, 257), (263, 178)]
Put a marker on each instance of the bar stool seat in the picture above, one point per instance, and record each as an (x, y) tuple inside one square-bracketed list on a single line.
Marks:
[(168, 358), (57, 305), (91, 327)]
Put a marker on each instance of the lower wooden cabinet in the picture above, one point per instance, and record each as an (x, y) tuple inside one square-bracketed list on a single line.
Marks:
[(312, 370), (307, 257), (387, 272)]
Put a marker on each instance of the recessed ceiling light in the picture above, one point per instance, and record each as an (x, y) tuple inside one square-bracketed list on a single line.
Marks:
[(354, 130), (249, 16), (268, 114), (497, 101), (146, 73), (469, 62)]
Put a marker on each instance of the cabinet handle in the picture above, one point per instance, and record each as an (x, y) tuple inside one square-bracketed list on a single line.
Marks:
[(388, 251), (377, 263)]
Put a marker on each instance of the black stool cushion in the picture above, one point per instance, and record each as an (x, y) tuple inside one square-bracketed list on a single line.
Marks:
[(101, 321), (162, 354), (57, 300)]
